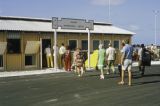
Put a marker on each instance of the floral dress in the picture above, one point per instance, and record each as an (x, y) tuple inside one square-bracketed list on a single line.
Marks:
[(67, 60)]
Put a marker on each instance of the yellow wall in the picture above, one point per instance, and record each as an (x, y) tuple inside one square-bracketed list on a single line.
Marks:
[(14, 62), (3, 39), (2, 36), (61, 38), (17, 61), (64, 37), (100, 37), (30, 37)]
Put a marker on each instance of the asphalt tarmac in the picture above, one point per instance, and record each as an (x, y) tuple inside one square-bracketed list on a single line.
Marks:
[(67, 89)]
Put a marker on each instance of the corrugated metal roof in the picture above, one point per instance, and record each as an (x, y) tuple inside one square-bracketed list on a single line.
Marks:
[(45, 25)]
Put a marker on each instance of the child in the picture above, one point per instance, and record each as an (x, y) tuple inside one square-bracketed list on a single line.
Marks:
[(79, 63)]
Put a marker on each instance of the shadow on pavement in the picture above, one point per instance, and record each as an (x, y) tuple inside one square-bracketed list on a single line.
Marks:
[(147, 82), (147, 75), (106, 75)]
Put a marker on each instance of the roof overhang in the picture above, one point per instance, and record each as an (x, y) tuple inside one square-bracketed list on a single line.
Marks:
[(42, 25)]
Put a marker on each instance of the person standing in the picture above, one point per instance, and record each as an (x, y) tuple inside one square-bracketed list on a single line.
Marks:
[(56, 54), (49, 56), (79, 61), (152, 51), (76, 52), (121, 52), (67, 59), (101, 59), (126, 61), (141, 65), (144, 59), (62, 51), (110, 57)]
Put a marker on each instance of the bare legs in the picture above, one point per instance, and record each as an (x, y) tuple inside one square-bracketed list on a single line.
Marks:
[(102, 74), (129, 78), (80, 71)]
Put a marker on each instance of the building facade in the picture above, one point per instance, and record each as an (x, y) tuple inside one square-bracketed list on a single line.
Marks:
[(23, 40)]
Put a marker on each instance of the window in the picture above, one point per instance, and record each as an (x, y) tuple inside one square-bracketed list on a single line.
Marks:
[(1, 60), (116, 44), (106, 42), (13, 42), (30, 60), (95, 44), (13, 46), (84, 45), (72, 44)]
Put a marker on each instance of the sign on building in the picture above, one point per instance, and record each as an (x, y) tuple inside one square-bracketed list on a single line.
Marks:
[(75, 24)]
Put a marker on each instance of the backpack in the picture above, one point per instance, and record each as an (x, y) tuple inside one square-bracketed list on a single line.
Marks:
[(146, 57)]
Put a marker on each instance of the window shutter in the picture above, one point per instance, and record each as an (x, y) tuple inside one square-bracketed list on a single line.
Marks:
[(3, 46)]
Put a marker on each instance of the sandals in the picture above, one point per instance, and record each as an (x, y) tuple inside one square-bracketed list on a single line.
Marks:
[(121, 83), (101, 76), (129, 84)]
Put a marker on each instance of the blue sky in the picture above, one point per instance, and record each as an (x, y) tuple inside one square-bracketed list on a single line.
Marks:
[(133, 15)]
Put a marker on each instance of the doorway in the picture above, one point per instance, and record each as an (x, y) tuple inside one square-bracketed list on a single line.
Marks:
[(1, 61), (45, 43)]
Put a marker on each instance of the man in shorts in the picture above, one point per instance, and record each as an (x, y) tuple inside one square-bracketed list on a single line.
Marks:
[(111, 56), (126, 61)]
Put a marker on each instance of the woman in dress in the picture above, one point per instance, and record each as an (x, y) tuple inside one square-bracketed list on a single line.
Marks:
[(79, 63), (77, 50), (101, 59), (67, 59)]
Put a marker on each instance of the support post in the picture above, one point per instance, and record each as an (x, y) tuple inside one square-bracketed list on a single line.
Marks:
[(41, 53), (88, 48), (55, 49)]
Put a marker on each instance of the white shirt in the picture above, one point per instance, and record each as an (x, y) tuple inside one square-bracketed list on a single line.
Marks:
[(55, 51), (62, 50), (140, 53), (110, 52), (48, 51)]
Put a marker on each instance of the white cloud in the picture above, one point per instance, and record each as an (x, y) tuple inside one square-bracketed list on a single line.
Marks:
[(106, 2), (133, 27)]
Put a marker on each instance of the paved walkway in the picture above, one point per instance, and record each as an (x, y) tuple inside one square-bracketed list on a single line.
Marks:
[(30, 72), (47, 71), (67, 89)]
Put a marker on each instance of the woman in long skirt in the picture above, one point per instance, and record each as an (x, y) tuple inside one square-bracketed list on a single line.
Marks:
[(101, 59), (67, 59)]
